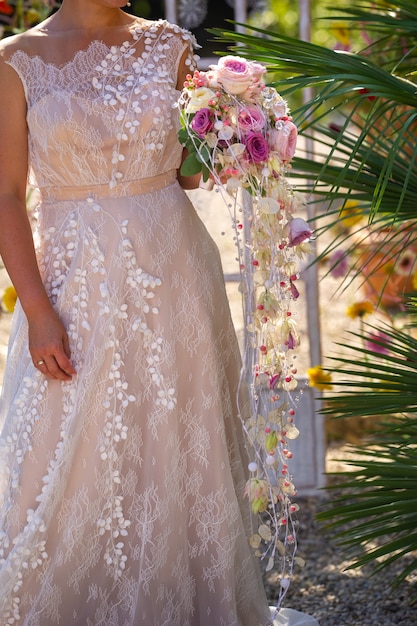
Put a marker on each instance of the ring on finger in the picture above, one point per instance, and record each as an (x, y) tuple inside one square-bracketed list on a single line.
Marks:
[(40, 362)]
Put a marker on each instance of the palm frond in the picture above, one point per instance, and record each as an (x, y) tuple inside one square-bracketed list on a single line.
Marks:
[(375, 513), (300, 64), (369, 385)]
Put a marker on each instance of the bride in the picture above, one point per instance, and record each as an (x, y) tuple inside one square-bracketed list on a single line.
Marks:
[(122, 463)]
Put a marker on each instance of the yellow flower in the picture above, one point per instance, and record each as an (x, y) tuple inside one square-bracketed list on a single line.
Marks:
[(9, 299), (318, 378), (351, 213), (360, 309), (341, 31), (32, 16)]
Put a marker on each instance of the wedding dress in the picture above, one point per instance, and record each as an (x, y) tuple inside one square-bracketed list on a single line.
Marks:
[(121, 491)]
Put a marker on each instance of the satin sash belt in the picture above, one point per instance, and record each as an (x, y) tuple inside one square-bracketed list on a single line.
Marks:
[(121, 189)]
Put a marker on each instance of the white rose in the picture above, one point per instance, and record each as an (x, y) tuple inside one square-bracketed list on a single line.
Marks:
[(199, 99)]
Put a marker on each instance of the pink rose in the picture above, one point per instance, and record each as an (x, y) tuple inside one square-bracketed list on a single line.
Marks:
[(250, 119), (283, 139), (257, 70), (298, 231), (234, 73), (256, 147), (202, 122)]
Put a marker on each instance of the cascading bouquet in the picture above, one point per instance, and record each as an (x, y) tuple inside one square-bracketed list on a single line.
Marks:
[(239, 134)]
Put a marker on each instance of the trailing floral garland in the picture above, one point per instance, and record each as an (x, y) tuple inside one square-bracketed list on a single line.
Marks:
[(239, 134)]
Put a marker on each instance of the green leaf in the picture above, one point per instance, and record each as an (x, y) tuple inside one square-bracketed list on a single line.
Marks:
[(183, 136), (205, 173), (204, 154), (191, 165)]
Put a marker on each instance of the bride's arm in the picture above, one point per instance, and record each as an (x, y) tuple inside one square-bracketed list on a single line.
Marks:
[(47, 337), (188, 182)]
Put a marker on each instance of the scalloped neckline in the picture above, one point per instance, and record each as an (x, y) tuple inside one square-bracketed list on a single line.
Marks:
[(84, 51), (71, 61)]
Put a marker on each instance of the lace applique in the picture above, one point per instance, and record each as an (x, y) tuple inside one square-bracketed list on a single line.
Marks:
[(120, 80), (133, 87)]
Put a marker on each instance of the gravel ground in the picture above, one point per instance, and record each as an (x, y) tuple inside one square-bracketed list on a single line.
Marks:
[(325, 589)]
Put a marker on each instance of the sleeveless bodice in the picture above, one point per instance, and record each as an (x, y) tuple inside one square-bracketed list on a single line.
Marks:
[(107, 116)]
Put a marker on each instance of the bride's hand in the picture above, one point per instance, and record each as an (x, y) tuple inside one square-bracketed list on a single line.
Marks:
[(49, 346)]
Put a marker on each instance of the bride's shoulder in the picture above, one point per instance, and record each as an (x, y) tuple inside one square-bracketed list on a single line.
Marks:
[(169, 29), (27, 42)]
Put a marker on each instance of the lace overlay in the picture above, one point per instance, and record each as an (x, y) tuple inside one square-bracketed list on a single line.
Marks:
[(121, 491)]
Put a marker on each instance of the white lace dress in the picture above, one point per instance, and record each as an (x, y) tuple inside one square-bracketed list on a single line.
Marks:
[(121, 491)]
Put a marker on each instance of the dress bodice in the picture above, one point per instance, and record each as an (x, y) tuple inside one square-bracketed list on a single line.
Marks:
[(107, 117)]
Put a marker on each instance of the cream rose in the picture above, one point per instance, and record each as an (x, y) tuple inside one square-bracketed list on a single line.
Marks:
[(199, 99)]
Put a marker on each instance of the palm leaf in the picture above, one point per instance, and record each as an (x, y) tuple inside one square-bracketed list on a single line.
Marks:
[(303, 64), (370, 385), (375, 512)]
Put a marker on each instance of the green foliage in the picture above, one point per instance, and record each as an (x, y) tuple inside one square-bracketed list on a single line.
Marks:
[(375, 512), (371, 385), (198, 155), (282, 16), (18, 15)]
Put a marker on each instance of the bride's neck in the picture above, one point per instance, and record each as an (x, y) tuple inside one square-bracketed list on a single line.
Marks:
[(87, 16)]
